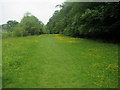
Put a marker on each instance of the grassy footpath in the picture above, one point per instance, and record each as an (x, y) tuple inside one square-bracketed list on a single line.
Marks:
[(56, 61)]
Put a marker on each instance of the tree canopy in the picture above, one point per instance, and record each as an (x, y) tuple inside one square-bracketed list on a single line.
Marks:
[(87, 19), (29, 25), (10, 25)]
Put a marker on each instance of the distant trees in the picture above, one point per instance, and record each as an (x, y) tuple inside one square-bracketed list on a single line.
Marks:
[(29, 25), (10, 25), (88, 19)]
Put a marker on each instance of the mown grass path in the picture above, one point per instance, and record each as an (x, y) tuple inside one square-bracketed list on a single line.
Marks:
[(57, 61)]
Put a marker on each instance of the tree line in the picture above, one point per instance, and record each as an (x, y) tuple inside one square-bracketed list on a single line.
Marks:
[(86, 19), (29, 25), (77, 19)]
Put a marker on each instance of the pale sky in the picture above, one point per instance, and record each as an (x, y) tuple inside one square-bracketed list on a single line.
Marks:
[(15, 9)]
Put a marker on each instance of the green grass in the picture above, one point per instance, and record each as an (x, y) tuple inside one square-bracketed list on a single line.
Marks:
[(57, 61), (0, 59)]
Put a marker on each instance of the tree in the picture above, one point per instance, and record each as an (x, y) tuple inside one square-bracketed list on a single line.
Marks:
[(10, 25), (31, 24), (89, 19)]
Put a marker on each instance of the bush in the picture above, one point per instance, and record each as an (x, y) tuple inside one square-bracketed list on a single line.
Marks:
[(7, 34), (18, 32)]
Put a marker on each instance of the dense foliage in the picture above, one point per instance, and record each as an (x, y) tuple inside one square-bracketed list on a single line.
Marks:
[(10, 25), (29, 25), (95, 20)]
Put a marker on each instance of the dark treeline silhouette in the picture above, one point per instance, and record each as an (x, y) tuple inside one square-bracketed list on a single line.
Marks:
[(89, 19)]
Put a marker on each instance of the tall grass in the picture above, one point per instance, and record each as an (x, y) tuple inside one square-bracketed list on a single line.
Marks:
[(57, 61)]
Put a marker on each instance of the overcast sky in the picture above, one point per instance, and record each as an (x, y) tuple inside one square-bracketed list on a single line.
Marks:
[(15, 9)]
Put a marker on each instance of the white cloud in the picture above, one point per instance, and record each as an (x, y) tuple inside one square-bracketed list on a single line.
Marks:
[(15, 9)]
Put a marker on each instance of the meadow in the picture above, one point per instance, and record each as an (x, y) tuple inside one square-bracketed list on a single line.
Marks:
[(0, 58), (58, 61)]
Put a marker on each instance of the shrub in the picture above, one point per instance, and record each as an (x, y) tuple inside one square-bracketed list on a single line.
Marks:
[(19, 32), (7, 34)]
